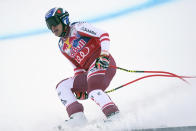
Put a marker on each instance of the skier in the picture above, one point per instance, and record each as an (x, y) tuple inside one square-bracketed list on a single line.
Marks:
[(86, 47)]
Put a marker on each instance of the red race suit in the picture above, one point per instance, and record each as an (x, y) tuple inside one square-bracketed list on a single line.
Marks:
[(83, 45)]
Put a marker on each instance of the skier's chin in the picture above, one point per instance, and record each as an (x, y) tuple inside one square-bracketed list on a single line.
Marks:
[(57, 32)]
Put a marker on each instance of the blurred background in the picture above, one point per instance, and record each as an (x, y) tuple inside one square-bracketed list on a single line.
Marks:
[(144, 34)]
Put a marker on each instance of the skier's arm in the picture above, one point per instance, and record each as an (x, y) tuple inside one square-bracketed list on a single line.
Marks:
[(86, 29)]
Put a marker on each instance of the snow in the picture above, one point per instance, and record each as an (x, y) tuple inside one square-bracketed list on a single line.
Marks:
[(157, 38)]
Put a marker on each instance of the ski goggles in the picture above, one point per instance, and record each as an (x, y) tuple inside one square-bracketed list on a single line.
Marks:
[(53, 21)]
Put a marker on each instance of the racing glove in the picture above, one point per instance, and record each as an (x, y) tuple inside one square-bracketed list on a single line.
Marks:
[(102, 62), (81, 95)]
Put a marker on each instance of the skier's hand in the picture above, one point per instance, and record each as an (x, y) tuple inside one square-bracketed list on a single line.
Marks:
[(102, 62), (81, 95)]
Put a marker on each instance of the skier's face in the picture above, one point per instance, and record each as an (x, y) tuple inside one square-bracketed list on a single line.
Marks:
[(58, 29)]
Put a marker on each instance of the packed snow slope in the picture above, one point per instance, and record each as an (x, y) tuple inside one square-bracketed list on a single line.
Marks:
[(145, 37)]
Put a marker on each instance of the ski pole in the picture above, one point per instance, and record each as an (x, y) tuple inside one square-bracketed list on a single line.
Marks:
[(162, 72), (112, 90)]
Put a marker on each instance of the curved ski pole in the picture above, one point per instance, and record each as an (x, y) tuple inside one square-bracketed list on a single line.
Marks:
[(147, 76), (162, 72)]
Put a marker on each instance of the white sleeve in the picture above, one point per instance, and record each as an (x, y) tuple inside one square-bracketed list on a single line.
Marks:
[(86, 29)]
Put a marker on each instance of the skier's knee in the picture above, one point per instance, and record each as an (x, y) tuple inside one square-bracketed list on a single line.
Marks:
[(65, 84), (64, 91), (103, 100)]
